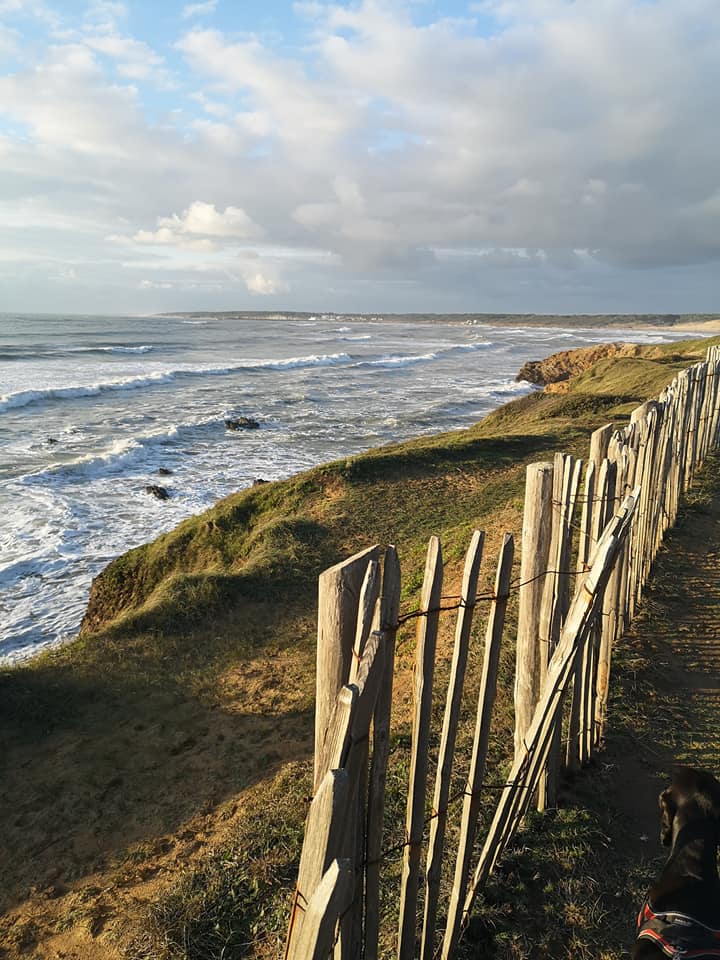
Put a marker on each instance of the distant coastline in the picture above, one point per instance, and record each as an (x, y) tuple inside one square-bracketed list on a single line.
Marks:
[(707, 322)]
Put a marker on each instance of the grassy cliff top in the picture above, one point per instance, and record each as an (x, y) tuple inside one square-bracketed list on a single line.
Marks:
[(133, 751)]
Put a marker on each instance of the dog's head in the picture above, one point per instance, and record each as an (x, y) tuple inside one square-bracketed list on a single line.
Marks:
[(692, 795)]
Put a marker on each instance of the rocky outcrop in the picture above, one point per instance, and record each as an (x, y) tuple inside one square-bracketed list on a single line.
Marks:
[(558, 368), (160, 493), (241, 423)]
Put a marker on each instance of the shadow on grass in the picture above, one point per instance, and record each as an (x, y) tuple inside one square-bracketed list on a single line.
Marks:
[(92, 769)]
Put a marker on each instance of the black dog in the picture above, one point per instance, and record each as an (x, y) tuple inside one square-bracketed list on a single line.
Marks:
[(681, 916)]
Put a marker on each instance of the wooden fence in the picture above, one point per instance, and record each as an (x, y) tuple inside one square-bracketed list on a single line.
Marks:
[(576, 596)]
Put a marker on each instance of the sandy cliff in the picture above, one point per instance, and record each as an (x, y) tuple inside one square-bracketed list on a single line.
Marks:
[(554, 371)]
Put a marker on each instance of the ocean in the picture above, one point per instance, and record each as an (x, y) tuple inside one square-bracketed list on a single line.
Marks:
[(92, 408)]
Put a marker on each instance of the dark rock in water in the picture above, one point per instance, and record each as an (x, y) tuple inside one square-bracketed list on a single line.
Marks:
[(51, 440), (156, 491), (241, 423), (164, 471), (258, 482)]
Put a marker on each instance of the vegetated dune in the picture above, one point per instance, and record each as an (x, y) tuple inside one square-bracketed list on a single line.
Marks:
[(156, 770)]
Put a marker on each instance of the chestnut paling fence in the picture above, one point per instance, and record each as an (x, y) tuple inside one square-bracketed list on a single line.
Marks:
[(567, 625)]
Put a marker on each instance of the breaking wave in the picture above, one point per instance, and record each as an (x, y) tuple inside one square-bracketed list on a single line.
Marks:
[(23, 398)]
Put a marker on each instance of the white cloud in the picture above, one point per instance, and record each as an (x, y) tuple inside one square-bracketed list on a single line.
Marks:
[(9, 41), (203, 218), (136, 59), (198, 9), (263, 285), (165, 237), (303, 112), (394, 147)]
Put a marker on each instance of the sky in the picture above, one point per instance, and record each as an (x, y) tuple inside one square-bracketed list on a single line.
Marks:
[(395, 156)]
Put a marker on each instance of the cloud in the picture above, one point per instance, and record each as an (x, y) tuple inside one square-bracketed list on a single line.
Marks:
[(421, 153), (302, 111), (198, 9), (263, 285), (199, 220), (136, 59)]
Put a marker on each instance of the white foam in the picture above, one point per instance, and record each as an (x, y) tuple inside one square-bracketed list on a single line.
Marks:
[(398, 361), (143, 348), (475, 345), (315, 360), (117, 456), (23, 398)]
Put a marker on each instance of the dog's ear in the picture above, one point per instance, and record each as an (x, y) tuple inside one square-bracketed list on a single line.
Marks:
[(668, 809)]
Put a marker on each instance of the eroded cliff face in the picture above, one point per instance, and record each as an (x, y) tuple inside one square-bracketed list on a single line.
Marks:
[(555, 371)]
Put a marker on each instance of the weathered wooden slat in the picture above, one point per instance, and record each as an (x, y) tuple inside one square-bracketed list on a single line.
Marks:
[(556, 600), (536, 536), (422, 690), (585, 545), (338, 597), (330, 900), (609, 620), (389, 612), (324, 830), (367, 610), (603, 510), (599, 443), (352, 928), (369, 593), (337, 740), (368, 679), (324, 827), (476, 773), (447, 742)]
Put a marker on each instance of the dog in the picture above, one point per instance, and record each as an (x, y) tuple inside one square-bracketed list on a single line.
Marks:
[(681, 916)]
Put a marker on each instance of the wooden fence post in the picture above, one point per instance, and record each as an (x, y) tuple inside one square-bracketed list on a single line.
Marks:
[(476, 773), (368, 678), (338, 598), (575, 753), (389, 611), (330, 899), (599, 443), (555, 601), (423, 683), (447, 743), (536, 536)]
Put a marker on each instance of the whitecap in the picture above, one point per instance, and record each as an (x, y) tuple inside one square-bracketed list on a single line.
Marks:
[(398, 361), (23, 398)]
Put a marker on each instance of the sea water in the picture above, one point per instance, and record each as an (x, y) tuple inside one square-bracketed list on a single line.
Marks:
[(91, 408)]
